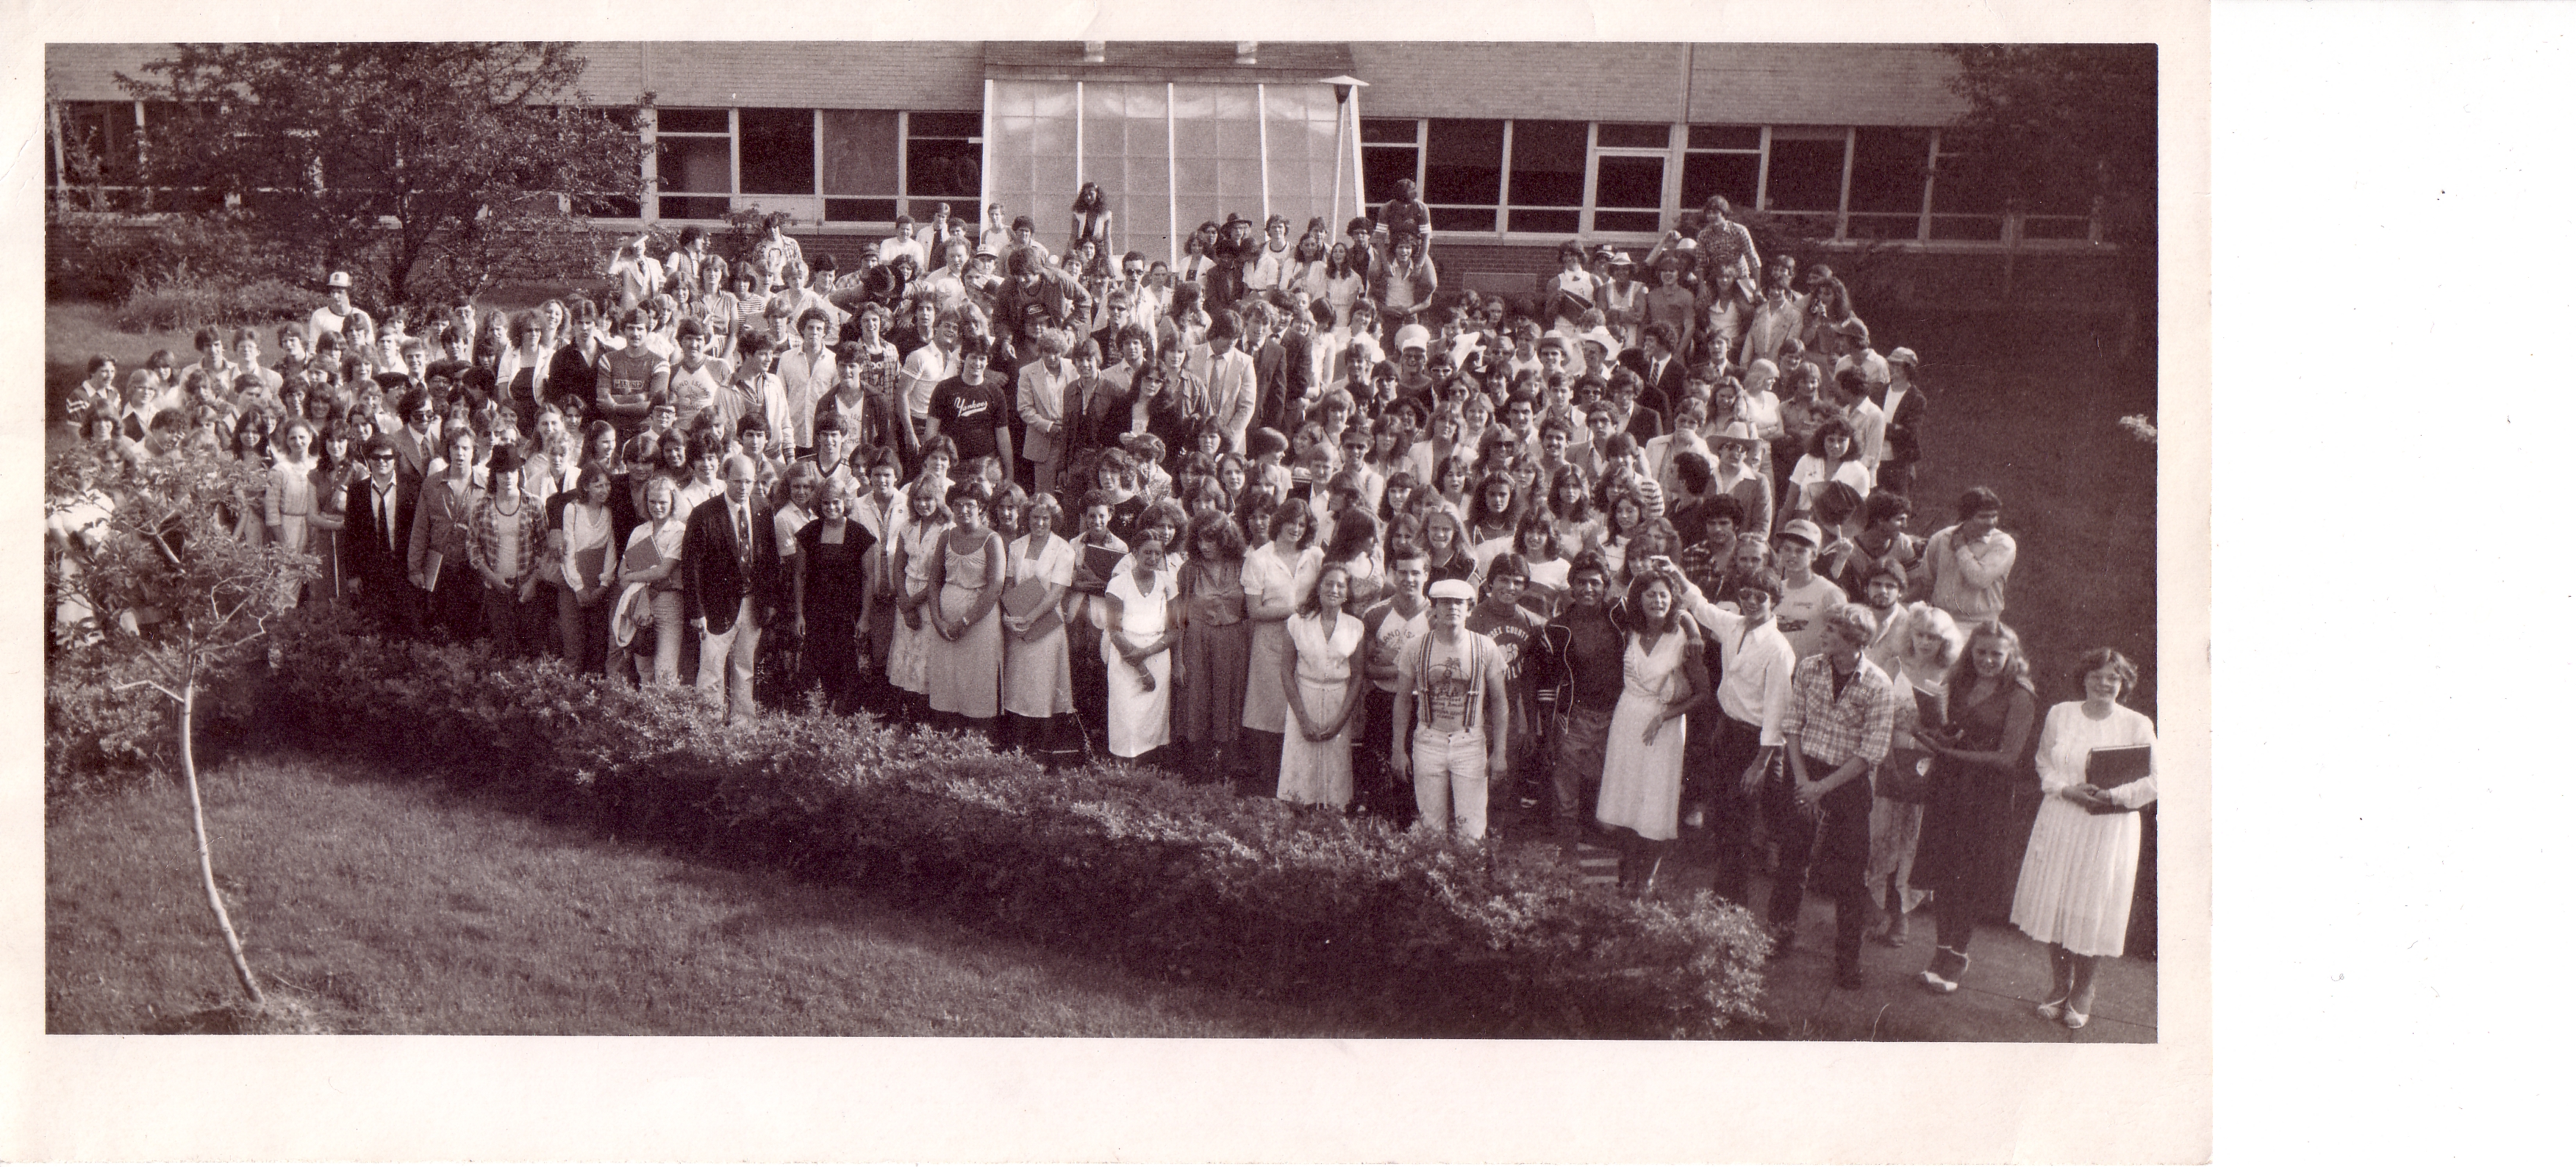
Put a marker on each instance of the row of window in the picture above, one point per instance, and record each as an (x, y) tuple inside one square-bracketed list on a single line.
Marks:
[(857, 166), (1480, 176), (1546, 177)]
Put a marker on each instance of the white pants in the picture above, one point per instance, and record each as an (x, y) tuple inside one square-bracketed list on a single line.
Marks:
[(1449, 780), (728, 656)]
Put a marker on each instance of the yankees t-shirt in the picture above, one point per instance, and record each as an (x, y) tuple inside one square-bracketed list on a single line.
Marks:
[(968, 415)]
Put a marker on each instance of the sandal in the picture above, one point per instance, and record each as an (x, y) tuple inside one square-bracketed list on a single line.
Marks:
[(2052, 1009)]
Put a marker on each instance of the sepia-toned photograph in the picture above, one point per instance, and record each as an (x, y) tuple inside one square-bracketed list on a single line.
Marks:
[(1512, 541)]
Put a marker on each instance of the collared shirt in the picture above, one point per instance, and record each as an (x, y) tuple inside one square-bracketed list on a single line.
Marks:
[(807, 376), (1757, 666), (1835, 729)]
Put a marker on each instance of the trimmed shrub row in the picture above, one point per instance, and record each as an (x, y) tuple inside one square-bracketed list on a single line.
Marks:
[(1397, 933)]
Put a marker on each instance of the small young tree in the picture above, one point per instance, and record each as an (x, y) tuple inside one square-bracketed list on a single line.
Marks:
[(176, 600), (404, 160)]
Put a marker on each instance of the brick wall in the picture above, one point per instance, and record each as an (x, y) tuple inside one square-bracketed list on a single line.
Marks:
[(808, 74), (1582, 82), (1822, 85)]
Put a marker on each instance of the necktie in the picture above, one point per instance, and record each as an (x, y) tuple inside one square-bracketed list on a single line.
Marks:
[(742, 532), (385, 512)]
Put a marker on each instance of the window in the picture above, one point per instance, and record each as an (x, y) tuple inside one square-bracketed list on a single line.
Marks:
[(1462, 173), (839, 165), (1547, 174), (777, 151), (1888, 170), (693, 162), (944, 161), (1723, 161), (1628, 176), (1390, 149), (862, 164), (1806, 172)]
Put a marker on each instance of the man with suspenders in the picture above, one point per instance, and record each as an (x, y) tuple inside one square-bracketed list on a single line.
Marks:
[(1451, 696)]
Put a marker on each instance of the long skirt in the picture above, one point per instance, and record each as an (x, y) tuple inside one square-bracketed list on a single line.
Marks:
[(1214, 661), (1037, 675), (1140, 721), (1641, 784), (1265, 703), (966, 673), (1316, 772), (908, 661), (2077, 879)]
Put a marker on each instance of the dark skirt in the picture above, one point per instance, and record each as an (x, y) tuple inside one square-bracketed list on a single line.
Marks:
[(1963, 813), (1217, 662)]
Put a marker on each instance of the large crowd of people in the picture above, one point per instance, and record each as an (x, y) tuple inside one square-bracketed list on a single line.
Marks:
[(1629, 555)]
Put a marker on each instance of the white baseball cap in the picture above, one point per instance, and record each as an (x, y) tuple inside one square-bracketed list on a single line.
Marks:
[(339, 279)]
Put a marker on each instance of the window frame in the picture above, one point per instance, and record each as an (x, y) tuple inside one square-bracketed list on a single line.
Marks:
[(2010, 227), (817, 201)]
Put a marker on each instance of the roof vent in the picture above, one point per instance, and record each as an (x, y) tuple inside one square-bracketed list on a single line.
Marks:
[(1094, 52), (1244, 50)]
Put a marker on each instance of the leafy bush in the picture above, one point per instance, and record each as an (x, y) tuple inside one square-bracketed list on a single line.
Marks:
[(189, 301), (111, 260), (1398, 932)]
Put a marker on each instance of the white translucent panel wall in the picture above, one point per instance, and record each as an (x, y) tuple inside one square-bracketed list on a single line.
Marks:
[(1301, 147), (1167, 157), (1126, 148)]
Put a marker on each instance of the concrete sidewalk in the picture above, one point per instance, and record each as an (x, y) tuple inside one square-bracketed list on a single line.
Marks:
[(2008, 976)]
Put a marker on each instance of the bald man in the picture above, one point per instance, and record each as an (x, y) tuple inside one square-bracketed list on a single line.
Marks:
[(729, 586)]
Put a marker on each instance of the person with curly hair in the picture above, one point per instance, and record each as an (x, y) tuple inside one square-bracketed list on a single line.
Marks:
[(1664, 676), (2080, 870)]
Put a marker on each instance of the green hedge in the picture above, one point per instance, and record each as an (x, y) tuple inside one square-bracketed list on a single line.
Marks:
[(1397, 933)]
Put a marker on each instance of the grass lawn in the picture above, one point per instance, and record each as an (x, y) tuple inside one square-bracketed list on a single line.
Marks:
[(389, 907), (395, 908)]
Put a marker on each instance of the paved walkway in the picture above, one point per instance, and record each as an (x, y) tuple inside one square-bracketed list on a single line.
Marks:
[(2008, 977)]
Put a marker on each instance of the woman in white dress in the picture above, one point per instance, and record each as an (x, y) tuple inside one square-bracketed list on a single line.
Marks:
[(1665, 673), (2081, 867), (1138, 648), (291, 497), (1037, 671), (1324, 701), (1278, 575), (908, 661)]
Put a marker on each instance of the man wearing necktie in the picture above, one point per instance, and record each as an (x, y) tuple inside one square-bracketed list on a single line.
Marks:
[(729, 586), (379, 506)]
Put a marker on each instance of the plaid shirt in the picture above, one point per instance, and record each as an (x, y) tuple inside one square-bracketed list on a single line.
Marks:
[(1834, 731), (486, 544)]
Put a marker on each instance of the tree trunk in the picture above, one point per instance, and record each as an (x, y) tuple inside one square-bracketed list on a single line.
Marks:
[(205, 857)]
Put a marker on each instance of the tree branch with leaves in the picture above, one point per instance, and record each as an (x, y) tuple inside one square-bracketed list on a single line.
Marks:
[(176, 601), (420, 163)]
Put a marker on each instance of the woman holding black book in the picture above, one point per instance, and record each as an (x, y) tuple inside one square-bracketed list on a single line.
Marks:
[(2096, 770)]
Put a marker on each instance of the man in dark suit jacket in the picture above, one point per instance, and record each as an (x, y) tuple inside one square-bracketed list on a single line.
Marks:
[(378, 538), (729, 585), (1659, 367)]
